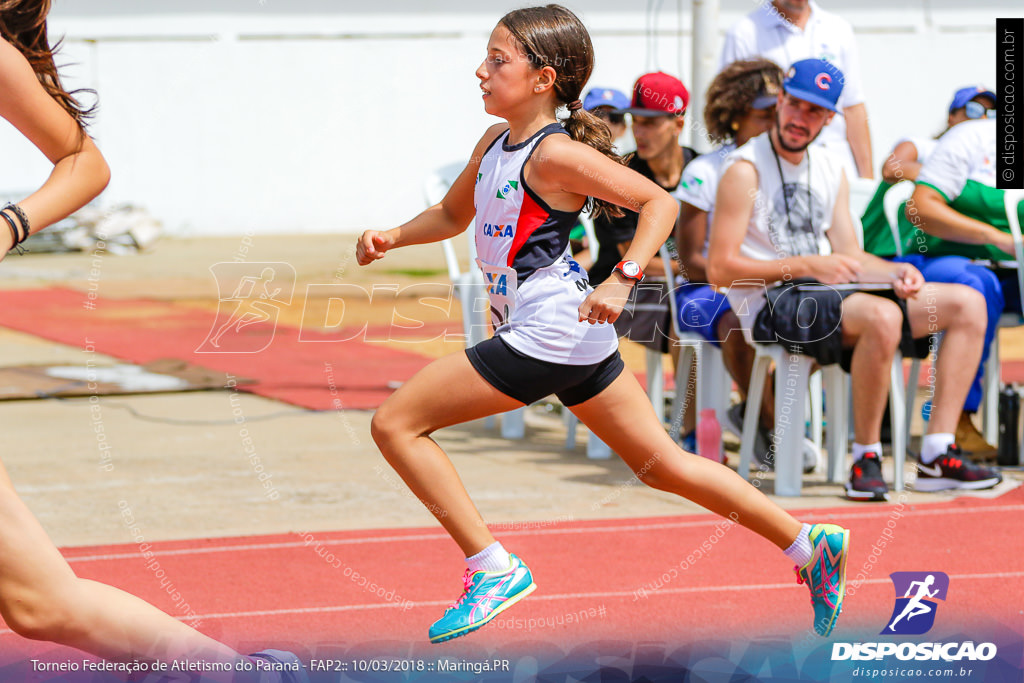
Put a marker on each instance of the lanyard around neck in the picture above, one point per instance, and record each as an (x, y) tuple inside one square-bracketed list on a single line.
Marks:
[(785, 195)]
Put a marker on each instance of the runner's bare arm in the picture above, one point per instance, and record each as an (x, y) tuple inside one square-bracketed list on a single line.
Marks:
[(569, 172), (79, 171), (441, 221), (566, 172)]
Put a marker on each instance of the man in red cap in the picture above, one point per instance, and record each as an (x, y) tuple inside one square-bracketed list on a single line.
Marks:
[(658, 105)]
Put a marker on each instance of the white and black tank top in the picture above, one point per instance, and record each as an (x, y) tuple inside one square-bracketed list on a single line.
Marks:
[(534, 286)]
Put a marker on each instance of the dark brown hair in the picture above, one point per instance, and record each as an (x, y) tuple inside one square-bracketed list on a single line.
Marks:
[(23, 25), (734, 90), (553, 36)]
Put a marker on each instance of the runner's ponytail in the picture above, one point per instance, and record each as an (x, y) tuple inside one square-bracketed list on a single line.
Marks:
[(553, 36)]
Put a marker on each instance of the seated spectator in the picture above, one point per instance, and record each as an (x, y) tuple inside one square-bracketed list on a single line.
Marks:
[(904, 163), (658, 106), (608, 104), (786, 31), (782, 218), (740, 106)]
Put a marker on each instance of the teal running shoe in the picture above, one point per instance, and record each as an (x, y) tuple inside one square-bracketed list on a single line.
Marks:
[(825, 574), (485, 596)]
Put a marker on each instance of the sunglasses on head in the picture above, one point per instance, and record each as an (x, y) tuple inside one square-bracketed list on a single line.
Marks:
[(608, 116), (977, 110)]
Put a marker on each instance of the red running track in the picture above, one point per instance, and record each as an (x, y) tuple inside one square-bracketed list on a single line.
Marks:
[(278, 590)]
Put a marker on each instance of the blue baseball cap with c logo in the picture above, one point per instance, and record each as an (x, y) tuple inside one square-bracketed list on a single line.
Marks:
[(815, 81)]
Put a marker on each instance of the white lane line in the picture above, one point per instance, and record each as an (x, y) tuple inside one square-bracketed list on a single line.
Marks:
[(432, 536), (562, 596)]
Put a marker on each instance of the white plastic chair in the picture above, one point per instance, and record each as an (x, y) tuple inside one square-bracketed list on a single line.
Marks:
[(713, 380), (893, 199), (891, 203), (588, 228), (794, 370), (861, 192), (470, 289), (993, 367), (596, 449)]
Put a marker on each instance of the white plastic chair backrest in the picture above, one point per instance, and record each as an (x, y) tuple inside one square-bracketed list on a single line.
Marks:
[(435, 187), (891, 203), (588, 228), (666, 262), (1011, 200), (861, 192)]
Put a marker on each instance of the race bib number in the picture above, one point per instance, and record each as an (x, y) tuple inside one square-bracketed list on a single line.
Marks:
[(501, 282)]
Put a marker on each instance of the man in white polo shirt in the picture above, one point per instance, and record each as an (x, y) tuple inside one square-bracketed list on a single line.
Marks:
[(786, 31)]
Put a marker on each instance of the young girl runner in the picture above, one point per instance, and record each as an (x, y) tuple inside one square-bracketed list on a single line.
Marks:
[(526, 182), (40, 597)]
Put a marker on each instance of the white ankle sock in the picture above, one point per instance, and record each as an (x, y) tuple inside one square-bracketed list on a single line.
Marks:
[(934, 445), (493, 558), (800, 551), (860, 449)]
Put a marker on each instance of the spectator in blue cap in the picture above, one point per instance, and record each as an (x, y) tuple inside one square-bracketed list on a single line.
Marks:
[(607, 104), (782, 218), (904, 163)]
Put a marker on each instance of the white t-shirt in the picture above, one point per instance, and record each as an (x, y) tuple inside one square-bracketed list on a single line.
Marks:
[(924, 147), (699, 183), (966, 152), (764, 33), (774, 232)]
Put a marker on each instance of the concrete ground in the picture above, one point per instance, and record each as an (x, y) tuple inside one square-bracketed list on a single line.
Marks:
[(178, 461)]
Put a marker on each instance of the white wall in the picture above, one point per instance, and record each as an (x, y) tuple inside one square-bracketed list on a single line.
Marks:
[(225, 116)]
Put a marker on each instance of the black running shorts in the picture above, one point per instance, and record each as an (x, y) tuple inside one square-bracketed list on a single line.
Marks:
[(528, 379), (805, 317)]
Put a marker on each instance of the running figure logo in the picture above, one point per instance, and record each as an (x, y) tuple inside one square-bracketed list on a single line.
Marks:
[(914, 613), (250, 297)]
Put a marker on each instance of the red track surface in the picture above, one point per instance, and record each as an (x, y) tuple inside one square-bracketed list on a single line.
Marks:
[(276, 590), (257, 591)]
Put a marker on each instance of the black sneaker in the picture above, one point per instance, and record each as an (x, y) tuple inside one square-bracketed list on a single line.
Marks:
[(866, 481), (952, 471)]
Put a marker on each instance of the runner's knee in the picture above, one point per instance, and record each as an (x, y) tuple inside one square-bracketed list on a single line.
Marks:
[(37, 615), (384, 426)]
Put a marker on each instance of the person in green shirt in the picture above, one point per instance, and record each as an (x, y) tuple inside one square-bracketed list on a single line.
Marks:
[(905, 162), (955, 178)]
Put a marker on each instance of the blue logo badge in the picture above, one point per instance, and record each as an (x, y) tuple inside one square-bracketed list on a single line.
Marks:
[(914, 612)]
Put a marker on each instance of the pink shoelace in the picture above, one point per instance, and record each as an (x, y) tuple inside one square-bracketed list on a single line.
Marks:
[(467, 583), (821, 593)]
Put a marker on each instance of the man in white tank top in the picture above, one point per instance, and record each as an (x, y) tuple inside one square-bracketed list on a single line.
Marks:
[(782, 227)]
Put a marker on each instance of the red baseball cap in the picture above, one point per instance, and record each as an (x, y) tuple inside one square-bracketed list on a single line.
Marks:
[(659, 94)]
